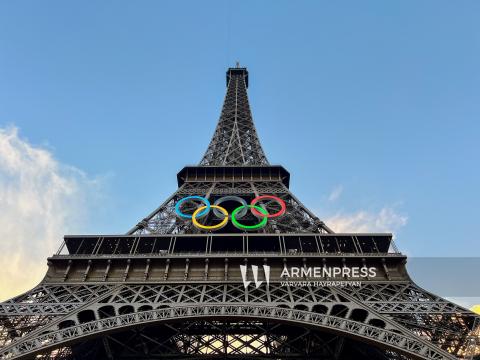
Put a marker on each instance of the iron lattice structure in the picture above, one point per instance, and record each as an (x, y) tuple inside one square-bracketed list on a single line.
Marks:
[(170, 290)]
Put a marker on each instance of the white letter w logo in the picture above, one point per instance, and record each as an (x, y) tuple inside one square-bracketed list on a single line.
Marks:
[(266, 271)]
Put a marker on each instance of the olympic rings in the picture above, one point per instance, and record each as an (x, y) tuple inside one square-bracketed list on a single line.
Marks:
[(185, 216), (280, 212), (238, 213), (260, 225), (211, 227)]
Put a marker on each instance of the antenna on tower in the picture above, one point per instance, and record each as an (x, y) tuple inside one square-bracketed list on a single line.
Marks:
[(238, 64)]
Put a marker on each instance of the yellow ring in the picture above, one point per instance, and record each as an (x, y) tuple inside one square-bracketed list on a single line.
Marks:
[(212, 227)]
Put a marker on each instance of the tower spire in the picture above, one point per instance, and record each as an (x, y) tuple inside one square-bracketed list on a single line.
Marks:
[(235, 140)]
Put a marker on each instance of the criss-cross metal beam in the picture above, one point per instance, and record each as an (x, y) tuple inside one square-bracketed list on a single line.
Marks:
[(235, 141)]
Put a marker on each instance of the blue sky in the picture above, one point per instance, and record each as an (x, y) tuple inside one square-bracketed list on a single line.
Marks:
[(373, 106)]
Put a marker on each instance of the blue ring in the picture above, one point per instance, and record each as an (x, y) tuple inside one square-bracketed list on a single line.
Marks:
[(185, 216)]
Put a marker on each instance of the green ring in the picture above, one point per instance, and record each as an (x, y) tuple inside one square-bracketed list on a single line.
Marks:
[(260, 225)]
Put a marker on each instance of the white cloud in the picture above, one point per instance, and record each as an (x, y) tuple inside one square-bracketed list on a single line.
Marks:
[(336, 192), (386, 220), (40, 200)]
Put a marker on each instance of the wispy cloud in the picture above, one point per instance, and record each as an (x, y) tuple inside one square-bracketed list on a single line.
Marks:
[(336, 192), (385, 220), (40, 200)]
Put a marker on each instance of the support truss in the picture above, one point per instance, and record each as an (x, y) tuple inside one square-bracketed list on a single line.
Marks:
[(235, 141)]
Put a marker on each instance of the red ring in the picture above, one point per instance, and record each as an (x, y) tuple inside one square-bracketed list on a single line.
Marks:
[(277, 199)]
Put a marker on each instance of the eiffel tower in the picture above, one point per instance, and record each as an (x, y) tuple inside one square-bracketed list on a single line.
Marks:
[(202, 277)]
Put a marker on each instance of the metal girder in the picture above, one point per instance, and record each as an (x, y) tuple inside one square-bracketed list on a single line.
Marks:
[(383, 338), (141, 297), (218, 340)]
